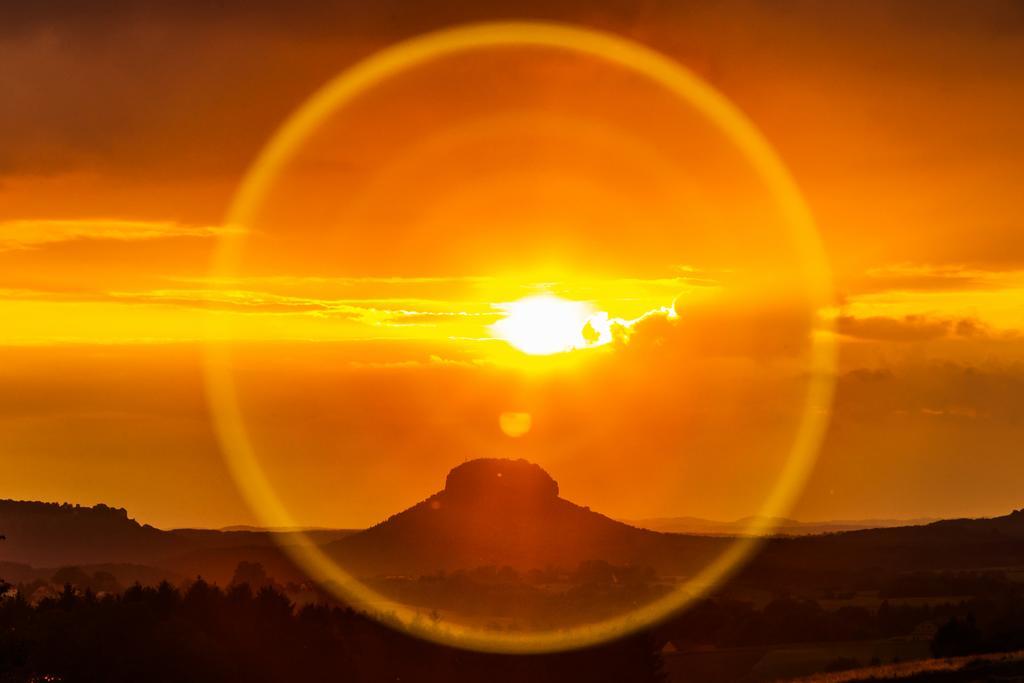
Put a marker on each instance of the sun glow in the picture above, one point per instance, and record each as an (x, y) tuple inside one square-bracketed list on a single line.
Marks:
[(545, 324)]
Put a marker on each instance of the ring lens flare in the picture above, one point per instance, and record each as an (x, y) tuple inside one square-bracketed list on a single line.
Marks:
[(538, 325)]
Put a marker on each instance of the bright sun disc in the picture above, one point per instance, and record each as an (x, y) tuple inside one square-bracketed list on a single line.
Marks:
[(544, 324)]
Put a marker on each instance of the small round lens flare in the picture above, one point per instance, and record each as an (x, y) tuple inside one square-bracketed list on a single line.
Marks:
[(515, 424)]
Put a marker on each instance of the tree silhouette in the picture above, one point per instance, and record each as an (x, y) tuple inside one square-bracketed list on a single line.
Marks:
[(206, 634), (957, 637), (251, 573)]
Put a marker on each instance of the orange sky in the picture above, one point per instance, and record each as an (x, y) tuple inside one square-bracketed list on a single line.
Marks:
[(379, 263)]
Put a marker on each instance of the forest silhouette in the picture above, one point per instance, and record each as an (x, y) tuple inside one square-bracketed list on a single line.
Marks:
[(201, 632), (162, 634), (499, 549)]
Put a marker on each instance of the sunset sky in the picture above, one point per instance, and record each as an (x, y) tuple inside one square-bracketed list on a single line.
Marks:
[(368, 309)]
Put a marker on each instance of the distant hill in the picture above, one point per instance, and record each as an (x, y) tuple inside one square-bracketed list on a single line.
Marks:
[(491, 512), (508, 513), (780, 526), (49, 535), (504, 512), (947, 544)]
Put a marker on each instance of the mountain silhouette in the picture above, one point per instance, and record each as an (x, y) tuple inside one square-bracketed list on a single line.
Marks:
[(508, 513), (490, 512), (504, 513), (51, 534), (778, 526), (947, 544), (41, 535)]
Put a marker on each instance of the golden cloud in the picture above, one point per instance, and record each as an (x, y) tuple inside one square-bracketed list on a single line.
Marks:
[(34, 233)]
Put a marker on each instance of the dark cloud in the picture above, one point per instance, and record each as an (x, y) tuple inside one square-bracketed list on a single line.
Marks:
[(305, 19), (920, 282), (932, 278), (934, 438), (753, 330), (168, 86), (990, 16), (194, 88), (910, 328), (934, 389)]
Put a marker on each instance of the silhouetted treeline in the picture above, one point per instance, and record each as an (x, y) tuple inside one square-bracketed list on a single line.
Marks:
[(995, 600), (975, 625), (939, 584), (989, 626), (726, 623), (163, 634), (205, 633), (536, 600), (968, 544)]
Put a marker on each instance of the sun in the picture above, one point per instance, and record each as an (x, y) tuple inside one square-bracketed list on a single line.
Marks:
[(543, 325)]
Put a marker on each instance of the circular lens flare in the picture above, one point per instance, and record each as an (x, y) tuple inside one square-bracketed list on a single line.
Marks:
[(548, 326)]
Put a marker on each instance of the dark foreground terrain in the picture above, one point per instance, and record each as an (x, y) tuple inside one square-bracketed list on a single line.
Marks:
[(205, 634), (94, 596)]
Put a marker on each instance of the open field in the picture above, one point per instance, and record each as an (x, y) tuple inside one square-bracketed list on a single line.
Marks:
[(1007, 666), (785, 661)]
